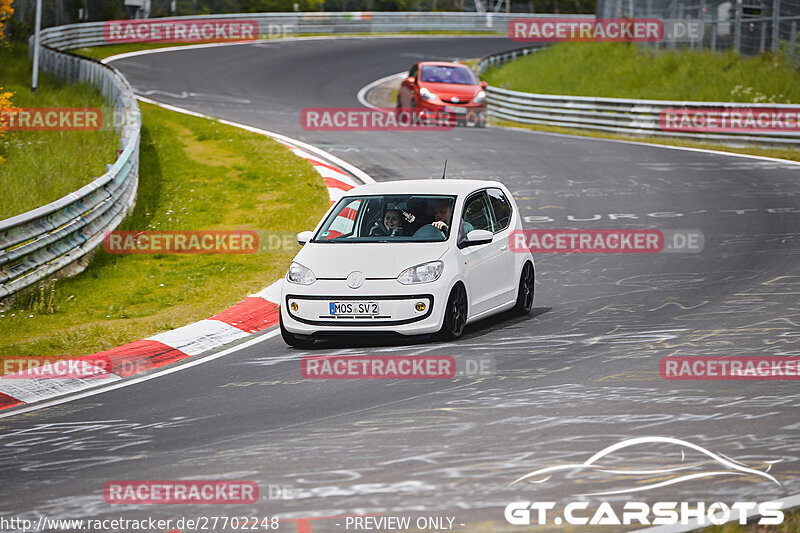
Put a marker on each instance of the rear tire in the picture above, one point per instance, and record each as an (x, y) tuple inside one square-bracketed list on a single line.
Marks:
[(455, 314), (293, 340), (525, 291)]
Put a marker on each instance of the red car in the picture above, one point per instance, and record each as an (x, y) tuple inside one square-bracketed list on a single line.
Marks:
[(436, 87)]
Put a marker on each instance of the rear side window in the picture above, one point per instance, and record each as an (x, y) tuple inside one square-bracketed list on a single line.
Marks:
[(501, 207)]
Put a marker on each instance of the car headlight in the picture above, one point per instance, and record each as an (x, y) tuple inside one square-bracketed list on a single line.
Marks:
[(426, 94), (480, 97), (300, 275), (424, 273)]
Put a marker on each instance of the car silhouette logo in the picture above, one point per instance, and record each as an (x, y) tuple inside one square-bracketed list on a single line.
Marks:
[(355, 279), (714, 464)]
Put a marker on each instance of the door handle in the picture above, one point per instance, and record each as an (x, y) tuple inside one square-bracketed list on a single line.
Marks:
[(504, 248)]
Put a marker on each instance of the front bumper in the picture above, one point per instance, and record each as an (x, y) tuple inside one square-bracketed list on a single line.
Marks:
[(305, 310), (469, 114)]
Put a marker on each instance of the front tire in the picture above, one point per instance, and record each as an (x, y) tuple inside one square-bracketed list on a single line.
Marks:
[(455, 314), (525, 291), (293, 340)]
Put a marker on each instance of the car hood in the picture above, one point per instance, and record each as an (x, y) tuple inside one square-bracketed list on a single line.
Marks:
[(374, 260), (446, 91)]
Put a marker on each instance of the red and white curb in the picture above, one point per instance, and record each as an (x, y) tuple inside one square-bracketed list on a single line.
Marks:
[(248, 317)]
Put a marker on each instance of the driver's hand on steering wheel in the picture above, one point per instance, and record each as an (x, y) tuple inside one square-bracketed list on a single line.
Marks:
[(439, 225)]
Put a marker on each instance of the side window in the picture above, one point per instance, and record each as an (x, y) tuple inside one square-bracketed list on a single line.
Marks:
[(476, 215), (501, 207)]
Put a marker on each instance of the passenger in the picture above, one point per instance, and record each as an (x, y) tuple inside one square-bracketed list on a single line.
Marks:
[(393, 221)]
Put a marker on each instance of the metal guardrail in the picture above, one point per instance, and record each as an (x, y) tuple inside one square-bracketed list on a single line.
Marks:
[(45, 240), (615, 115), (288, 24)]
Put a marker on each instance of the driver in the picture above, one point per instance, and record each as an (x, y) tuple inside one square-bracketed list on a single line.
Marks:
[(442, 213)]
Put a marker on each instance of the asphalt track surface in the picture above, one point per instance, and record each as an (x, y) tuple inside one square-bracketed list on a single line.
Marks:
[(581, 373)]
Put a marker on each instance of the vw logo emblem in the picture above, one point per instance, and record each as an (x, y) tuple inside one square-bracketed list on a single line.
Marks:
[(355, 279), (454, 99)]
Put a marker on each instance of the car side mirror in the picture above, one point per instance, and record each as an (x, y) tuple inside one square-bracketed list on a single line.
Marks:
[(478, 236), (484, 85), (411, 80), (304, 236)]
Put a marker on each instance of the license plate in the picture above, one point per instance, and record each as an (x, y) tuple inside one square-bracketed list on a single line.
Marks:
[(456, 110), (354, 308)]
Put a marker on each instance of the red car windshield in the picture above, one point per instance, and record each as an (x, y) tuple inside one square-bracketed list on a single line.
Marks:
[(444, 74)]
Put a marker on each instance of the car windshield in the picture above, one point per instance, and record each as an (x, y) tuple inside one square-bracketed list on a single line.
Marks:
[(443, 74), (390, 218)]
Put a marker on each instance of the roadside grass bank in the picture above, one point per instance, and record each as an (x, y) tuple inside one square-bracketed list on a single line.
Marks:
[(622, 70), (41, 166), (791, 524), (195, 174), (780, 153)]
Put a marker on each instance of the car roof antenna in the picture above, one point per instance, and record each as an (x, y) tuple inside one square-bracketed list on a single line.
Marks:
[(445, 169)]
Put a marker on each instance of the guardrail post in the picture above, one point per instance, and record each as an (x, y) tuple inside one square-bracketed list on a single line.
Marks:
[(793, 38), (776, 22), (762, 46), (702, 19), (714, 36), (737, 28)]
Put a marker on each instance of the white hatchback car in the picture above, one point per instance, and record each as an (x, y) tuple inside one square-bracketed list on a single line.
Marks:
[(391, 257)]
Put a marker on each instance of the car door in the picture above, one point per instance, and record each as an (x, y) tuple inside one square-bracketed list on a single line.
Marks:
[(406, 93), (484, 263), (502, 216)]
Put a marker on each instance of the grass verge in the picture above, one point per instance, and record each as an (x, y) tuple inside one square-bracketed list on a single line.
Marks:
[(791, 524), (41, 166), (621, 70), (194, 174)]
